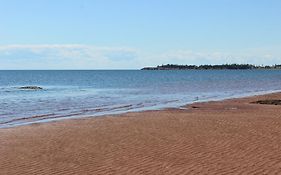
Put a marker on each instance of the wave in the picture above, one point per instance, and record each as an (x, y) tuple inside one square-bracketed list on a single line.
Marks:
[(68, 113)]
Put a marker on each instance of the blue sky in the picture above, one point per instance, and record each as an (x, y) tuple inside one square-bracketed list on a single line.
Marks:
[(130, 34)]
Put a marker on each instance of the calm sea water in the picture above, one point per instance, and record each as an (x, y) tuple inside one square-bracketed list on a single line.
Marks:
[(69, 94)]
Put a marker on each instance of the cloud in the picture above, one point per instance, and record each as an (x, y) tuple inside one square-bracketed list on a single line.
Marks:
[(246, 56), (65, 57), (75, 56)]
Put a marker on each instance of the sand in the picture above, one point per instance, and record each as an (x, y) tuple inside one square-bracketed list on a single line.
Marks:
[(227, 137)]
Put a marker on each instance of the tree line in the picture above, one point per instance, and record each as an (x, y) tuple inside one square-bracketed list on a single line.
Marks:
[(213, 67)]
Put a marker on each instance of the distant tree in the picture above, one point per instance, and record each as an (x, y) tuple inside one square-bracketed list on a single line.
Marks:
[(216, 67)]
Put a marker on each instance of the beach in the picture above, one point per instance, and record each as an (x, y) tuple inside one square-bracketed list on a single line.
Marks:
[(234, 136)]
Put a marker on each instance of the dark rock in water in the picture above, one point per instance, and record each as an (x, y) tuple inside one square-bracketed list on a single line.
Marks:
[(31, 88), (268, 102)]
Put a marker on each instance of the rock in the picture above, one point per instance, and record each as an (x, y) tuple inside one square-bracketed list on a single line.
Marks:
[(31, 88), (268, 102)]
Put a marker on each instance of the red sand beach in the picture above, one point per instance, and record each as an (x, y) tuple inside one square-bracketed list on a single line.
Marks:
[(226, 137)]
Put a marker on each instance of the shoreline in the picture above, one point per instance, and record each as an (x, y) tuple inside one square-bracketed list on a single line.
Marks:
[(136, 110), (231, 136)]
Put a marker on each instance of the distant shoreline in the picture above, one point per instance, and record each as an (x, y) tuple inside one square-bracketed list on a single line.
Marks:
[(211, 67)]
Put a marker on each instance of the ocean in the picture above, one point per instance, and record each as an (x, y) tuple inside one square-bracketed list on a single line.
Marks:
[(75, 93)]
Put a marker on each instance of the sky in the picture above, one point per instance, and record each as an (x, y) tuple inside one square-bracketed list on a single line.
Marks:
[(131, 34)]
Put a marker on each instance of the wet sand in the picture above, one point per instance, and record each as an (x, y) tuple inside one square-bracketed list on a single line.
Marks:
[(226, 137)]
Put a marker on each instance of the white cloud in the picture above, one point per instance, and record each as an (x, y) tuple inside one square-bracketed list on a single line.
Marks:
[(65, 57), (75, 56), (247, 56)]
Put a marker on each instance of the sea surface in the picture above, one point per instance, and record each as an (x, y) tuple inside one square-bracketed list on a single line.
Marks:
[(73, 94)]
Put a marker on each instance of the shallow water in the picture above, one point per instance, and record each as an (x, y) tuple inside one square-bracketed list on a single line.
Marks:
[(68, 94)]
